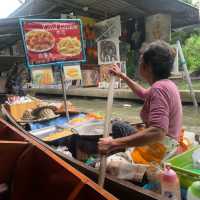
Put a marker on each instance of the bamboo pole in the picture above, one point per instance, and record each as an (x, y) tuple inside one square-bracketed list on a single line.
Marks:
[(102, 173), (183, 62), (64, 92)]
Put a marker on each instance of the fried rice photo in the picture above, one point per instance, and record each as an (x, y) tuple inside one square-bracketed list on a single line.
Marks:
[(69, 46)]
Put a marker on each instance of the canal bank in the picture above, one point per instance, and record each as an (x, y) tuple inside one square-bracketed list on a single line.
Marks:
[(94, 92)]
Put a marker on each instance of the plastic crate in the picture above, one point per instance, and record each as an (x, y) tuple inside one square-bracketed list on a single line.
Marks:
[(183, 165)]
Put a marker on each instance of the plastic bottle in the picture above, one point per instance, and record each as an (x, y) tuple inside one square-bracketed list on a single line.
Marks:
[(170, 187), (194, 191)]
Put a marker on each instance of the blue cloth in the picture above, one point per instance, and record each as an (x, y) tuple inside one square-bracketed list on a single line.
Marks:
[(57, 121), (183, 194)]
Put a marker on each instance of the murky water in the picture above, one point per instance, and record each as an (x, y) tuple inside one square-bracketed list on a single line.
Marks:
[(130, 111)]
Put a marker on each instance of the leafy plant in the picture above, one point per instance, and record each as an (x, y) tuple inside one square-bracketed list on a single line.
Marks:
[(188, 1), (182, 36), (191, 51)]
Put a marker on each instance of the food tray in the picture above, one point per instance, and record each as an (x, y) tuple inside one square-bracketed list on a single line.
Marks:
[(90, 129), (48, 131), (183, 165)]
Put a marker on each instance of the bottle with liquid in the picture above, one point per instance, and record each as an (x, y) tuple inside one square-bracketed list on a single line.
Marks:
[(170, 187), (194, 191)]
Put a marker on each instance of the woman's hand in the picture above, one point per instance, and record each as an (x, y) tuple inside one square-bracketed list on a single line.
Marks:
[(105, 145), (115, 70)]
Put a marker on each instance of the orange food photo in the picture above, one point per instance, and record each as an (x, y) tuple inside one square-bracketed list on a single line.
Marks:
[(39, 41), (72, 72), (69, 46)]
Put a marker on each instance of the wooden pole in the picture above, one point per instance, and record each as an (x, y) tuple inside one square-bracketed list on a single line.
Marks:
[(64, 91), (102, 171), (183, 62), (175, 70)]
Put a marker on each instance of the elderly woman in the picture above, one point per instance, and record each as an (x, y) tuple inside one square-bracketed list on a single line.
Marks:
[(162, 110)]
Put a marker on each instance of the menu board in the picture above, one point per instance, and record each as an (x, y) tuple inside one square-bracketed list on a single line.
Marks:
[(52, 41)]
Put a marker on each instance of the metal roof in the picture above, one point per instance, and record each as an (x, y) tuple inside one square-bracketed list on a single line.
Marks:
[(182, 14)]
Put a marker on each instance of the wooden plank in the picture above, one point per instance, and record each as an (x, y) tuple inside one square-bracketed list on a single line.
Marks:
[(10, 152), (61, 175), (76, 191), (106, 129), (12, 142)]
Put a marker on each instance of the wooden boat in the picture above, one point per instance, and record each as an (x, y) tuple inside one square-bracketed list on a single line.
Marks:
[(119, 188), (31, 171)]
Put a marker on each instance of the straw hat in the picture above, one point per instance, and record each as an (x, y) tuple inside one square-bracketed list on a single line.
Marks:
[(27, 115), (36, 111), (44, 113), (39, 114)]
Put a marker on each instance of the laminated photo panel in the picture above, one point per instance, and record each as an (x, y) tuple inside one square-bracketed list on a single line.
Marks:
[(42, 76), (90, 77), (72, 72), (108, 51)]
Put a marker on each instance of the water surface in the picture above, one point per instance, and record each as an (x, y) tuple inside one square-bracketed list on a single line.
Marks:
[(130, 111)]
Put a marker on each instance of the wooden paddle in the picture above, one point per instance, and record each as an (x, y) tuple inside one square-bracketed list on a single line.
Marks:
[(102, 171)]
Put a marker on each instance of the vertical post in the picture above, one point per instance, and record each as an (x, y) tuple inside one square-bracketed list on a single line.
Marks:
[(175, 70), (102, 173), (64, 91), (183, 62)]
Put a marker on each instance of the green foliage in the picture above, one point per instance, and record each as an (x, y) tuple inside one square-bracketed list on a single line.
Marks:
[(196, 4), (191, 51), (188, 1), (182, 36)]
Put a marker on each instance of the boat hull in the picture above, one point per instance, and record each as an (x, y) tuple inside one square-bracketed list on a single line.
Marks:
[(123, 190), (31, 171)]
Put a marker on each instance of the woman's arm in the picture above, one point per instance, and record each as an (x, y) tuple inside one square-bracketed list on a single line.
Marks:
[(134, 86), (145, 137)]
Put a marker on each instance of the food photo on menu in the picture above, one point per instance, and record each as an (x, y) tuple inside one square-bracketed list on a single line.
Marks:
[(50, 42)]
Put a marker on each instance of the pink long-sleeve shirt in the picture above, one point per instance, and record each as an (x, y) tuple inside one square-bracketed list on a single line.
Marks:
[(162, 107)]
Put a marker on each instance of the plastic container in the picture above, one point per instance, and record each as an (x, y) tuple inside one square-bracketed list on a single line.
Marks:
[(183, 165), (196, 159), (170, 187), (194, 191), (187, 141), (153, 176), (190, 136)]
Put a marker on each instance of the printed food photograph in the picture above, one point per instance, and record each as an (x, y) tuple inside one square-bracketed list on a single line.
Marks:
[(40, 41), (69, 46), (42, 76), (72, 72)]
